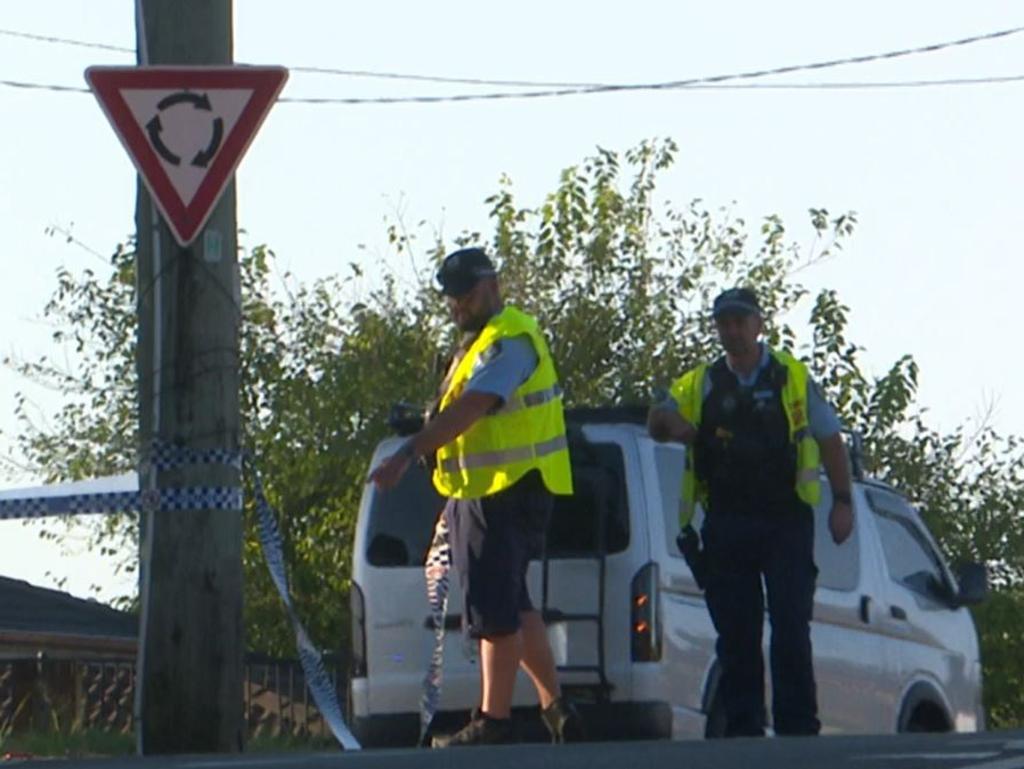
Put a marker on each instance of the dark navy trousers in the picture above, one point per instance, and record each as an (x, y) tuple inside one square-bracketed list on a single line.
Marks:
[(743, 550)]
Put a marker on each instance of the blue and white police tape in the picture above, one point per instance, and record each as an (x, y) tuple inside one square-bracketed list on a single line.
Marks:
[(107, 502), (319, 684), (437, 572), (166, 456)]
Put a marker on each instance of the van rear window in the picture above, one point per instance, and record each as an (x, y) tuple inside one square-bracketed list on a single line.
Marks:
[(402, 521)]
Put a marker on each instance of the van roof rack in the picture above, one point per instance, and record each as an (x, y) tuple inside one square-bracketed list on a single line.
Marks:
[(633, 413)]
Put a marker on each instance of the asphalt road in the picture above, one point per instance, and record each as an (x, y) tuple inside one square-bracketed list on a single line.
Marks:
[(988, 750)]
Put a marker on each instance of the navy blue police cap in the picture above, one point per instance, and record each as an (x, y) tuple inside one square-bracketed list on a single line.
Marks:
[(463, 269), (736, 301)]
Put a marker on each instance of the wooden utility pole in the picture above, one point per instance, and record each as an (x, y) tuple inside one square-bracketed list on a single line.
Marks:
[(189, 682)]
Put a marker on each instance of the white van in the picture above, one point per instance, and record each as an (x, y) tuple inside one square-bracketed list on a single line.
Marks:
[(894, 648)]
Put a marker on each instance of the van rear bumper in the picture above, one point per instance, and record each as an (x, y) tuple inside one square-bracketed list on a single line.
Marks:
[(605, 722)]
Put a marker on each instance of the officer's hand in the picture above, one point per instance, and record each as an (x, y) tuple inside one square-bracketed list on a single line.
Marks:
[(688, 542), (684, 432), (664, 425), (840, 521), (390, 471)]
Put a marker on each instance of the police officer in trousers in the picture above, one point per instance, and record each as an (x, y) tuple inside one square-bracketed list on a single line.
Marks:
[(499, 440), (757, 428)]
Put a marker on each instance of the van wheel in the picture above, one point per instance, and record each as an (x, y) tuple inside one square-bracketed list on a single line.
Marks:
[(926, 717), (714, 724), (921, 711)]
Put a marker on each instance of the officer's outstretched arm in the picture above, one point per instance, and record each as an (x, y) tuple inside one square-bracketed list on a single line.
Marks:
[(667, 425), (454, 420), (444, 428)]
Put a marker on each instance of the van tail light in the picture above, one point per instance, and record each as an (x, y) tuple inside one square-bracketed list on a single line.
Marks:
[(357, 608), (645, 615)]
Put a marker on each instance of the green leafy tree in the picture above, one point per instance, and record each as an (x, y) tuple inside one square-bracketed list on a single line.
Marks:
[(621, 279)]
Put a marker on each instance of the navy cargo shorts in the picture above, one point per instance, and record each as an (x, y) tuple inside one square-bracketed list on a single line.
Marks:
[(493, 540)]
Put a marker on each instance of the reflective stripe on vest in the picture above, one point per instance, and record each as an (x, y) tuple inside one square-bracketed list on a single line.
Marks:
[(517, 402), (505, 456), (808, 475)]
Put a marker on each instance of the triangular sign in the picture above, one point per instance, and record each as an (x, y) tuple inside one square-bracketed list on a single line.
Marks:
[(186, 129)]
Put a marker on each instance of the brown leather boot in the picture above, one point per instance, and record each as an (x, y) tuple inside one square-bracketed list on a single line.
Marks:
[(563, 722), (481, 730)]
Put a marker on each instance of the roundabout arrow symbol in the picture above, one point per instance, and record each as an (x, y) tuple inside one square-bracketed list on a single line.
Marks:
[(199, 101), (153, 128), (203, 157)]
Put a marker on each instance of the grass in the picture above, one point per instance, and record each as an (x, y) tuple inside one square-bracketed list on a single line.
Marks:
[(74, 744)]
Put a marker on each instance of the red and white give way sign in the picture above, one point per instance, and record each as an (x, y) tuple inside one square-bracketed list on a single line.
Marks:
[(186, 129)]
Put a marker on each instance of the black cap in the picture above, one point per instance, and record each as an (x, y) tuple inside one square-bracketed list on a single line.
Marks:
[(462, 269), (737, 301)]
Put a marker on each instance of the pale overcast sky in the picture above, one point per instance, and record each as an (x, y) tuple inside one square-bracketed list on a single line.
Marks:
[(934, 173)]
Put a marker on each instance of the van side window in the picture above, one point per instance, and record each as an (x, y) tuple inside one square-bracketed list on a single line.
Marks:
[(909, 556), (669, 460), (599, 492), (838, 565)]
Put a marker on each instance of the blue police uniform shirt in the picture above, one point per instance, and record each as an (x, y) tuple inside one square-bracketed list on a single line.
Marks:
[(503, 367), (821, 417)]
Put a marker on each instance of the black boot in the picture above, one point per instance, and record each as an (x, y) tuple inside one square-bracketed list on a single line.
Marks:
[(481, 730), (563, 721)]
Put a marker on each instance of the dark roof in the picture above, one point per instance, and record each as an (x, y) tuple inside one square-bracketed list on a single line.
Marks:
[(630, 413), (27, 608)]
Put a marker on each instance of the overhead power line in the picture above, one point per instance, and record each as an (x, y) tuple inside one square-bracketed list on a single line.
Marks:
[(721, 81), (442, 79), (65, 41), (327, 70), (322, 70), (43, 87), (585, 86), (699, 86), (823, 86), (865, 84)]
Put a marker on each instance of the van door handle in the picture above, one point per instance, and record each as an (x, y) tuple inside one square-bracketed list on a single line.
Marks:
[(865, 609), (897, 612)]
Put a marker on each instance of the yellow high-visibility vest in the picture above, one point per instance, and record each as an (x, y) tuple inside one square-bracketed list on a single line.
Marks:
[(527, 432), (688, 392)]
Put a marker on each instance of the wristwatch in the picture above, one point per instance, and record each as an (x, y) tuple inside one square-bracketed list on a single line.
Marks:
[(842, 496)]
